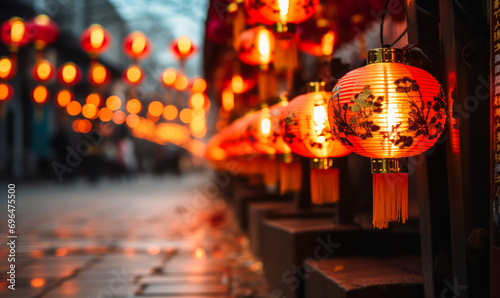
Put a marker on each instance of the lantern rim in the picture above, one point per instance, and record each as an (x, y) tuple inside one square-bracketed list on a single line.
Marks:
[(381, 55)]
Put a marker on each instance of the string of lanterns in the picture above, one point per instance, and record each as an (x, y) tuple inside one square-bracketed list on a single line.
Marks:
[(387, 110)]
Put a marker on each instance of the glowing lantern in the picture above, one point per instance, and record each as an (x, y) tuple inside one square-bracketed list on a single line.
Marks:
[(15, 33), (133, 106), (168, 77), (137, 46), (69, 74), (113, 102), (227, 99), (181, 83), (182, 48), (95, 40), (43, 71), (7, 68), (105, 114), (199, 85), (40, 95), (133, 75), (74, 108), (6, 92), (256, 46), (94, 99), (155, 108), (306, 130), (99, 75), (388, 111), (89, 111), (198, 101), (170, 112), (119, 117), (45, 31), (186, 115), (64, 97), (281, 11)]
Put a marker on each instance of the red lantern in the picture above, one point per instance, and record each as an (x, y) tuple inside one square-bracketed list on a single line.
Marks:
[(43, 71), (15, 33), (133, 75), (69, 74), (95, 40), (306, 130), (136, 45), (6, 92), (45, 31), (257, 46), (281, 11), (98, 75), (7, 68), (168, 77), (40, 95), (182, 47), (388, 111)]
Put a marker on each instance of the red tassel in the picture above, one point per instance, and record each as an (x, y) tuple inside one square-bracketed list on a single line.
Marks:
[(390, 198), (324, 186), (290, 177)]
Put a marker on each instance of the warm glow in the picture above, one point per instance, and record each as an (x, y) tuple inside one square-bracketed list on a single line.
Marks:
[(89, 111), (17, 31), (43, 70), (265, 127), (132, 120), (119, 117), (170, 112), (227, 99), (320, 117), (134, 74), (64, 97), (113, 102), (93, 98), (197, 100), (237, 84), (60, 252), (96, 37), (169, 76), (264, 44), (37, 282), (138, 44), (42, 19), (105, 114), (186, 115), (99, 74), (74, 108), (198, 113), (184, 45), (155, 108), (83, 126), (69, 73), (283, 6), (181, 83), (199, 86), (199, 253), (327, 43), (5, 67), (40, 94), (4, 91), (133, 106)]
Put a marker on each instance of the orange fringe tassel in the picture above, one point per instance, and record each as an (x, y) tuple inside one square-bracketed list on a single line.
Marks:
[(290, 177), (324, 186), (390, 199)]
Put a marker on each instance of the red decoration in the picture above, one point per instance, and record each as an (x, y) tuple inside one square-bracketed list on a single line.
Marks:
[(136, 45), (43, 71), (45, 31), (6, 92), (95, 40), (16, 33), (69, 74), (133, 75), (182, 47), (98, 75)]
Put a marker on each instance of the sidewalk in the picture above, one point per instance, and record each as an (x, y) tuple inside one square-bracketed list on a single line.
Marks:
[(150, 237)]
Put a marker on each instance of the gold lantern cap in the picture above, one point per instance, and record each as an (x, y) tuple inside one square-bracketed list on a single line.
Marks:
[(385, 55), (315, 87), (284, 28)]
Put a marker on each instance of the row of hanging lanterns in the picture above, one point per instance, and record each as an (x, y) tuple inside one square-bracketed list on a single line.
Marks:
[(387, 111)]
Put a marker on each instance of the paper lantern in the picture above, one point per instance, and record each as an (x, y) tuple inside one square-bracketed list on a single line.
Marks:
[(45, 31), (43, 71), (6, 92), (16, 33), (98, 75), (7, 68), (95, 40), (306, 129), (281, 11), (40, 95), (388, 111), (136, 45), (64, 97), (133, 75), (69, 74), (182, 47), (256, 46)]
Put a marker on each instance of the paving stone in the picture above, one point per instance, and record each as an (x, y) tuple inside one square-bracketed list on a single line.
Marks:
[(76, 288), (181, 279), (185, 289)]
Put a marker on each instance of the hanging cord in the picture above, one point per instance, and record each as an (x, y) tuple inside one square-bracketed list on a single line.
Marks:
[(382, 28)]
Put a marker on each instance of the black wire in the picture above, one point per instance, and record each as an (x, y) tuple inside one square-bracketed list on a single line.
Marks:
[(382, 23), (400, 36)]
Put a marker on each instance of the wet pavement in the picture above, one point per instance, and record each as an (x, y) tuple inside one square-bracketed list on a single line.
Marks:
[(148, 237)]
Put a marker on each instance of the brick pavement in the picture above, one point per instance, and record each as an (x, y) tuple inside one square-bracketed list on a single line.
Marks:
[(148, 237)]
